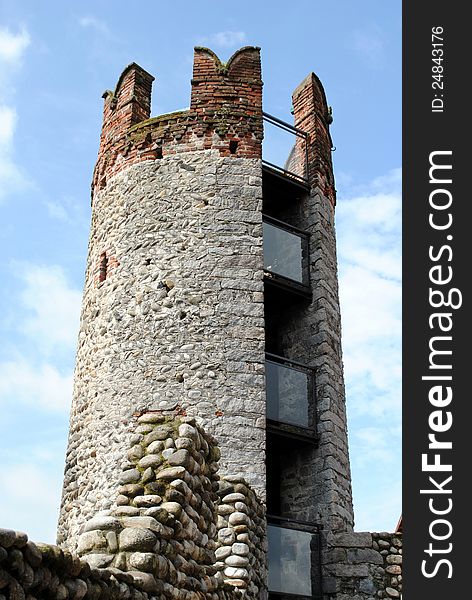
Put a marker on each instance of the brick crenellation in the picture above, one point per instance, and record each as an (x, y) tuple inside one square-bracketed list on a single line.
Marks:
[(225, 114)]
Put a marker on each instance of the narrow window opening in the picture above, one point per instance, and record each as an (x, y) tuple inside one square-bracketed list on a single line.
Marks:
[(103, 268), (233, 146), (159, 152)]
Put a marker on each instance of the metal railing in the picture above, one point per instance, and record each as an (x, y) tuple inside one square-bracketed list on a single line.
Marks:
[(296, 164)]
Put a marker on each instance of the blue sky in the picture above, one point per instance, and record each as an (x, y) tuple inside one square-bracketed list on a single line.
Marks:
[(56, 59)]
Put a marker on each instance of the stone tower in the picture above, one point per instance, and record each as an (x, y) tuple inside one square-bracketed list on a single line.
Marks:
[(210, 328)]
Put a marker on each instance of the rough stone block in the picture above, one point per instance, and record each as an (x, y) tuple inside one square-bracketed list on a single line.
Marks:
[(91, 540), (142, 561), (394, 570), (98, 561), (102, 523), (171, 473), (346, 570), (330, 585), (180, 458), (7, 537), (364, 555), (352, 540), (142, 540), (367, 586)]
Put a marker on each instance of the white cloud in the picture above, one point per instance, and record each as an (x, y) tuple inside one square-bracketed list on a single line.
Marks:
[(379, 209), (43, 387), (12, 46), (368, 223), (57, 211), (391, 181), (375, 443), (11, 176), (29, 500), (65, 209), (8, 119), (52, 307), (223, 39), (92, 22), (388, 502), (369, 234), (48, 314), (369, 45), (370, 300)]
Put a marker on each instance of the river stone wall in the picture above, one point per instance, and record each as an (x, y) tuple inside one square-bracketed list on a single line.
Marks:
[(40, 571), (242, 542), (31, 571), (172, 318), (165, 520)]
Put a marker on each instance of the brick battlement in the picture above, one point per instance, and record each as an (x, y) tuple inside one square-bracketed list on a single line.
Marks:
[(225, 114), (313, 116)]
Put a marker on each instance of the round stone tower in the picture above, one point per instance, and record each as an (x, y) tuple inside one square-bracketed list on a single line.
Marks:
[(172, 313)]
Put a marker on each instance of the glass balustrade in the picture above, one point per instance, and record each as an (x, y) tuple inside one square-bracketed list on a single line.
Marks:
[(294, 561), (288, 392), (285, 251)]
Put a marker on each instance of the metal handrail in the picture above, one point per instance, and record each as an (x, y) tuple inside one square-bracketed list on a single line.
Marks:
[(284, 225), (288, 174), (287, 361), (309, 525), (283, 125)]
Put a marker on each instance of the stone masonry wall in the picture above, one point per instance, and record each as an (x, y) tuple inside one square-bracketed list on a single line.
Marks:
[(362, 566), (242, 543), (177, 323)]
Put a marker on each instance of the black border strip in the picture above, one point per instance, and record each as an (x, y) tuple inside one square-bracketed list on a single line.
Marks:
[(436, 120)]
